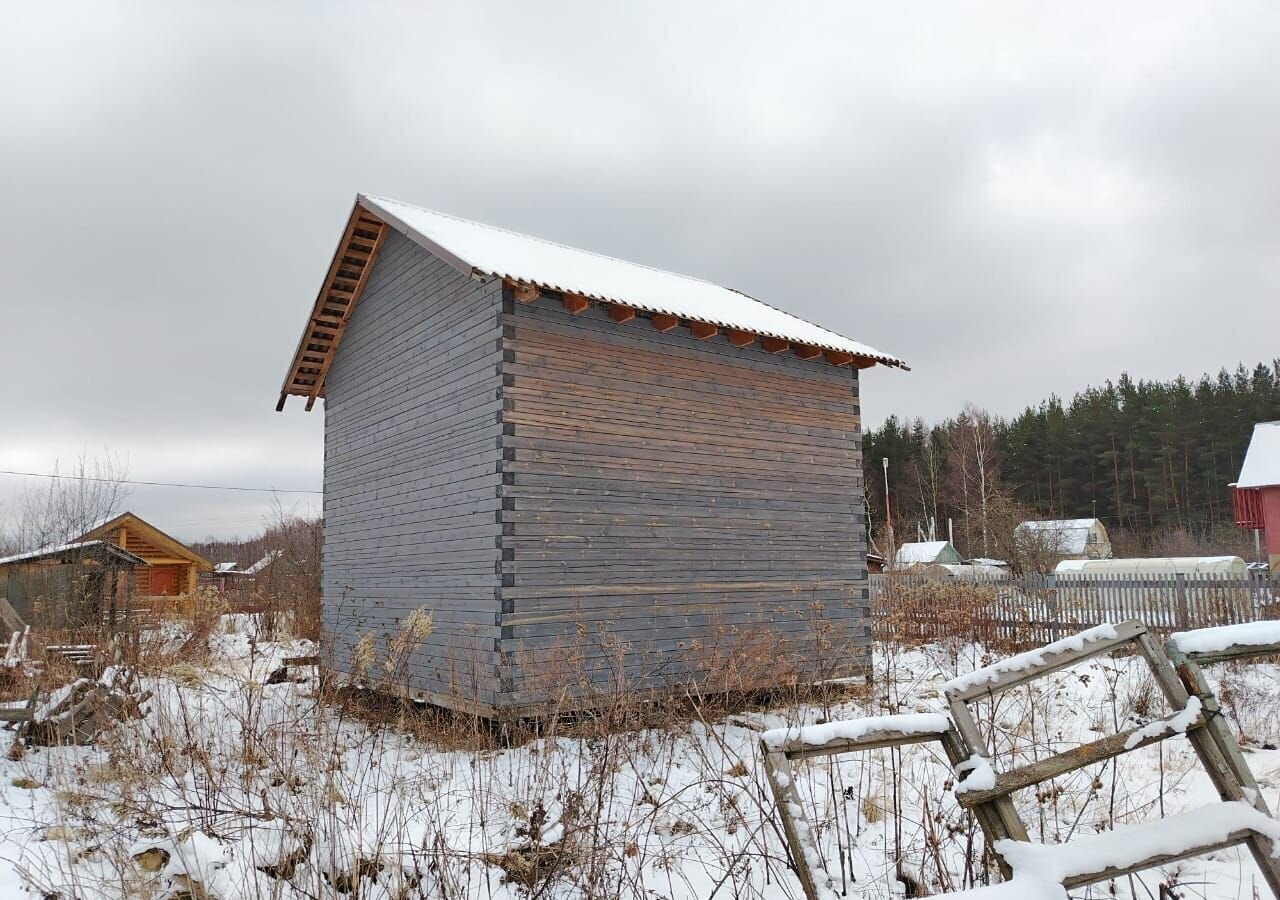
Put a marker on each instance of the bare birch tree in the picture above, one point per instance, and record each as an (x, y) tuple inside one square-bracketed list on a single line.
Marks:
[(973, 478), (91, 491)]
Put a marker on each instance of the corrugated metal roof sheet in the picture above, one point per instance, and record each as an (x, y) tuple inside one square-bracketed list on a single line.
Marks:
[(496, 252)]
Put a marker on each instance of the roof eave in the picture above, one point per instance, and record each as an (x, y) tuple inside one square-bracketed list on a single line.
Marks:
[(876, 357)]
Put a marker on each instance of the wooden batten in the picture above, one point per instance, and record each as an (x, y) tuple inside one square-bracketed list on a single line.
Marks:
[(348, 272), (774, 345), (523, 293), (703, 330), (575, 304), (739, 338), (621, 314), (664, 321), (804, 351), (838, 357)]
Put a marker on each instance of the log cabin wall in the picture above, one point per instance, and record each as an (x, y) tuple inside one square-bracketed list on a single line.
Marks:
[(411, 481), (672, 507)]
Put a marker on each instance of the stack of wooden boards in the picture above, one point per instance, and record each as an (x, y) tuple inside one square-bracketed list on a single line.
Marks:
[(1040, 870)]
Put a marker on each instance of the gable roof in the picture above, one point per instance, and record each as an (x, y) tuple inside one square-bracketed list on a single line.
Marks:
[(108, 529), (925, 551), (231, 568), (1262, 460), (1071, 535), (484, 251)]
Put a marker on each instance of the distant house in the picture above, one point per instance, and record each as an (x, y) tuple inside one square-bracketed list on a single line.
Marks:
[(925, 553), (576, 461), (227, 574), (71, 584), (1256, 493), (1066, 538), (171, 567)]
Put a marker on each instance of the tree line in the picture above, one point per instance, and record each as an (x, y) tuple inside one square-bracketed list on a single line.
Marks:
[(1151, 459)]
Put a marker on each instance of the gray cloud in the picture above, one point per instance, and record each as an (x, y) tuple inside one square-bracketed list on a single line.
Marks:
[(1019, 201)]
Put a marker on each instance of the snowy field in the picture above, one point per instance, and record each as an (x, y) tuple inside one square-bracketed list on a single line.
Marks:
[(231, 787)]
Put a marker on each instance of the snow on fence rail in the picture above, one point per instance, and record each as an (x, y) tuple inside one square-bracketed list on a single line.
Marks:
[(1030, 610)]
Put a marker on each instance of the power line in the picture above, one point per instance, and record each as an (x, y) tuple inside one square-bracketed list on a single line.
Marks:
[(201, 487)]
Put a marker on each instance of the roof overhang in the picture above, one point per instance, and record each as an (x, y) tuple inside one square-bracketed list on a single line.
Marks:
[(76, 551), (109, 529), (357, 252)]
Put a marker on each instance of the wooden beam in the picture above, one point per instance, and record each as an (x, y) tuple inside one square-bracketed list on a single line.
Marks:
[(798, 749), (703, 330), (1160, 859), (318, 387), (664, 321), (621, 314), (814, 878), (1074, 759), (347, 233), (739, 338), (524, 293), (1051, 658), (575, 304), (838, 357), (804, 351), (774, 345)]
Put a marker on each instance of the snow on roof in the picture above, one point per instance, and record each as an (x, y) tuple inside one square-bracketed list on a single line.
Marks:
[(922, 551), (497, 252), (1057, 524), (271, 556), (1072, 534), (230, 568), (68, 548), (1262, 460), (1182, 565)]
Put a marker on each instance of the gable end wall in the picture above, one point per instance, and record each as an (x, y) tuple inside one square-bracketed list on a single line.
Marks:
[(411, 482)]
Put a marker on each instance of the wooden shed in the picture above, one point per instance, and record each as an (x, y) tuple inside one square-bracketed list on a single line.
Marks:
[(595, 475), (84, 583), (171, 567)]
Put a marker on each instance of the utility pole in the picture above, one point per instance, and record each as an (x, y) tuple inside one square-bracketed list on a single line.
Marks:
[(888, 516)]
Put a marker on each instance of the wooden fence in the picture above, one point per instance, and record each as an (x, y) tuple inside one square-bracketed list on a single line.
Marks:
[(1029, 610)]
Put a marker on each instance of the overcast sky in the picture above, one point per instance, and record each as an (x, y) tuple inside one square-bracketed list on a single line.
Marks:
[(1019, 199)]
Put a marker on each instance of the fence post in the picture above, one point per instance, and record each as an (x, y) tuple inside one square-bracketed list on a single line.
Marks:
[(1181, 600)]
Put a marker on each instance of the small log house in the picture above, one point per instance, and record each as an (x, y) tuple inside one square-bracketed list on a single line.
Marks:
[(171, 568), (595, 475)]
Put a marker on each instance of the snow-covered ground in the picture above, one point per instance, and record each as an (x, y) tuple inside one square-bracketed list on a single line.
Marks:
[(230, 787)]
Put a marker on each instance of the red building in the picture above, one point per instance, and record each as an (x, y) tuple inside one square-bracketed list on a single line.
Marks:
[(1256, 495)]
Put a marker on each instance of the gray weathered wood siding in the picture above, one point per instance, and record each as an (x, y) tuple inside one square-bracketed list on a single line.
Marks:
[(411, 481), (581, 504), (674, 508)]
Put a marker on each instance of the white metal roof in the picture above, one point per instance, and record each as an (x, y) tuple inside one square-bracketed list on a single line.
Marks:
[(1072, 534), (486, 250), (922, 551), (1262, 461)]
